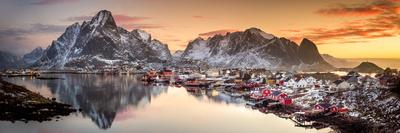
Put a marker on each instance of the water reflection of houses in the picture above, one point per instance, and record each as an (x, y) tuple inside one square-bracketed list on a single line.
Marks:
[(214, 96), (102, 97)]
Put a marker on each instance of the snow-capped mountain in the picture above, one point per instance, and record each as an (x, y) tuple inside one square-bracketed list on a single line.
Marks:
[(253, 48), (30, 58), (100, 42)]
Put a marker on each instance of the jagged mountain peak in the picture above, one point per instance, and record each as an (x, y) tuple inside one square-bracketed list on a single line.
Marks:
[(76, 24), (308, 43), (308, 52), (253, 48), (103, 18), (37, 49), (101, 42), (197, 39), (258, 31), (141, 34)]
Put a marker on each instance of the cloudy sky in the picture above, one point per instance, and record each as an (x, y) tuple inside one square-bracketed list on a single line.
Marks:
[(342, 28)]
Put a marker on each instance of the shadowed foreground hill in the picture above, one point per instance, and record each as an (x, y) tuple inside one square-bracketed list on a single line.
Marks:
[(18, 103)]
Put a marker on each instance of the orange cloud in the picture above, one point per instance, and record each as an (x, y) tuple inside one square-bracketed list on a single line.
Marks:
[(217, 32), (374, 8), (345, 11), (384, 22)]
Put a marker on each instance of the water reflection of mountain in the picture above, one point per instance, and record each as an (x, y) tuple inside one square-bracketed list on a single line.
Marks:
[(215, 96), (101, 97)]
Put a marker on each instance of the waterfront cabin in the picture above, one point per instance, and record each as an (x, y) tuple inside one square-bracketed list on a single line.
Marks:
[(286, 101), (277, 95)]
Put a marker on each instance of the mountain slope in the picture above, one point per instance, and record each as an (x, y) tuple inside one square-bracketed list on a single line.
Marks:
[(254, 48), (100, 42), (8, 60), (30, 58)]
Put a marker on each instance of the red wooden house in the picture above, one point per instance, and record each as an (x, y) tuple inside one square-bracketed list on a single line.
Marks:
[(277, 95), (326, 107), (286, 101), (167, 73)]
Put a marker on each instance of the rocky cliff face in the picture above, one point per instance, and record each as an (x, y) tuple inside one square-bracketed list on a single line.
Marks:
[(308, 52), (32, 57), (100, 42), (254, 48)]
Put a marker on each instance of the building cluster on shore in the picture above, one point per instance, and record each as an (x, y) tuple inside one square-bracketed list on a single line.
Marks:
[(298, 96), (304, 95), (122, 69)]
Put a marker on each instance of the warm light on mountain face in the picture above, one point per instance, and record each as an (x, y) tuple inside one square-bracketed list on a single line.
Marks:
[(347, 29)]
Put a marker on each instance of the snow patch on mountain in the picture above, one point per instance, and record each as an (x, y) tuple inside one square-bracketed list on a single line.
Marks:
[(253, 48), (107, 61), (199, 50)]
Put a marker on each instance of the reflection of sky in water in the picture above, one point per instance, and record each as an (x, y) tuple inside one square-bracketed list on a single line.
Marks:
[(123, 104), (343, 73)]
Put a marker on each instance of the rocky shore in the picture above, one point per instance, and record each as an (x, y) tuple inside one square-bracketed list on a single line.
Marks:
[(19, 104)]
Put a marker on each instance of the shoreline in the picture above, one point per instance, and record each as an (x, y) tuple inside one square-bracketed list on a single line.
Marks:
[(20, 104)]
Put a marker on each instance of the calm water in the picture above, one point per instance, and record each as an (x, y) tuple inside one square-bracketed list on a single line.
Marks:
[(124, 104)]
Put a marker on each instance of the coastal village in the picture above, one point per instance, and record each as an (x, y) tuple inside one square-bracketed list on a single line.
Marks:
[(70, 66), (315, 100), (310, 99)]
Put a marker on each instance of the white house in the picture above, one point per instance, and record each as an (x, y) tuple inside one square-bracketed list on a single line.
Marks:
[(302, 83), (311, 81), (291, 83)]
